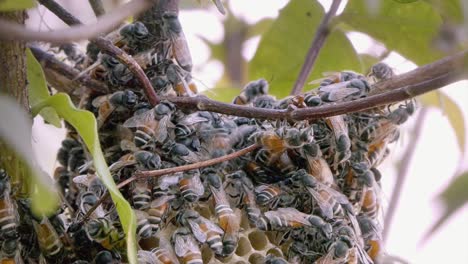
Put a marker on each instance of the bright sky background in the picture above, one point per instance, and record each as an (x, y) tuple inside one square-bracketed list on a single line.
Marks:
[(434, 162)]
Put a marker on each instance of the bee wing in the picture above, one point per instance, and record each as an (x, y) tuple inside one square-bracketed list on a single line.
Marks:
[(334, 87), (161, 129), (328, 258), (192, 119), (197, 232), (168, 180), (82, 180), (339, 197), (181, 245), (118, 165), (325, 206), (140, 120), (294, 215), (338, 124), (181, 50), (197, 185), (161, 200), (212, 226), (363, 256), (219, 195)]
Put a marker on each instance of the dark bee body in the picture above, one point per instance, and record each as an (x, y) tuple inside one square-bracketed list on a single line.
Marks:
[(136, 36), (242, 190), (107, 104), (173, 31), (9, 218), (49, 241), (381, 71), (106, 233), (250, 91), (191, 186)]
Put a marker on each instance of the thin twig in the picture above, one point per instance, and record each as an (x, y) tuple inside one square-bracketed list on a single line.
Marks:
[(109, 48), (106, 23), (53, 66), (402, 173), (97, 7), (321, 34), (201, 164)]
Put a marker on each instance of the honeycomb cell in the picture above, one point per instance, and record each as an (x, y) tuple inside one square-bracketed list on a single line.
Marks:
[(256, 258), (245, 224), (258, 240), (275, 251), (243, 247)]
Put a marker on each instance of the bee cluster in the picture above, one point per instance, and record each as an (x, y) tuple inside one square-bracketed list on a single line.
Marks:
[(309, 193)]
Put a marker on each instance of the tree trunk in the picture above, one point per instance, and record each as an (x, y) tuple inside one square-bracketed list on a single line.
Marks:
[(13, 82)]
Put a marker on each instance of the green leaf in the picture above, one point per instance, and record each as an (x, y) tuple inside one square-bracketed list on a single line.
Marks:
[(405, 1), (406, 28), (15, 132), (85, 123), (38, 89), (13, 5), (451, 10), (454, 197), (259, 28), (283, 48), (452, 111)]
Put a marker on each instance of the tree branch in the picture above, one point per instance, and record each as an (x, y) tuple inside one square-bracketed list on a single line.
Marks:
[(201, 164), (109, 48), (106, 23), (321, 34), (402, 87), (97, 7)]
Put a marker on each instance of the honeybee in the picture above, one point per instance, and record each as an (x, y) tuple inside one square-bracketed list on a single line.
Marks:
[(179, 153), (163, 184), (118, 101), (164, 253), (49, 241), (10, 253), (371, 234), (71, 154), (380, 72), (145, 257), (191, 186), (274, 196), (264, 101), (242, 189), (173, 31), (330, 201), (258, 173), (116, 73), (181, 81), (136, 36), (9, 218), (189, 125), (185, 246), (202, 229), (141, 194), (227, 219), (106, 233), (250, 91), (338, 252), (312, 99), (272, 259), (316, 164), (87, 201), (158, 211), (152, 124), (344, 91), (106, 257), (342, 142), (144, 228), (285, 218)]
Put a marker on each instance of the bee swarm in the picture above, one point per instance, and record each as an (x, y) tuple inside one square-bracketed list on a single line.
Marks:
[(309, 193)]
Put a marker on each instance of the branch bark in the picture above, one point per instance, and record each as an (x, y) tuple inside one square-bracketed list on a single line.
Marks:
[(322, 33), (109, 48), (97, 7)]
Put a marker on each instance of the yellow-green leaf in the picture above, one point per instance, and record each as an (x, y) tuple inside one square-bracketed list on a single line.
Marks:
[(15, 132), (453, 197), (13, 5), (37, 88), (452, 111), (282, 49), (85, 123)]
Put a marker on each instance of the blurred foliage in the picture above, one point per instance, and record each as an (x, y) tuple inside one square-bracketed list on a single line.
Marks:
[(283, 47), (85, 124), (408, 28), (13, 5), (21, 164), (451, 110), (37, 88), (454, 197)]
